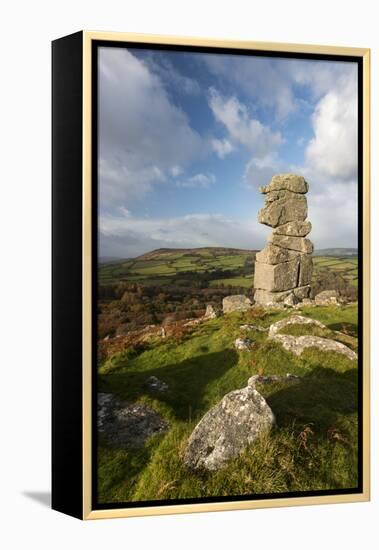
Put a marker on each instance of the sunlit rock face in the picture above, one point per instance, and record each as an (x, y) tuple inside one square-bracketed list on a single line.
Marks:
[(283, 269)]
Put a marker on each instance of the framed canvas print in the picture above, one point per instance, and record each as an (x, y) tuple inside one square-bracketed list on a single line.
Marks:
[(210, 275)]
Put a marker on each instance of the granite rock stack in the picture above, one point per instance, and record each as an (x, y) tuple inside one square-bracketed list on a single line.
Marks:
[(283, 269)]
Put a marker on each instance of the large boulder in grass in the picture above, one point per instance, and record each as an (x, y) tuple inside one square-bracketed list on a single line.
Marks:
[(236, 302), (127, 425), (327, 298), (228, 428), (210, 313)]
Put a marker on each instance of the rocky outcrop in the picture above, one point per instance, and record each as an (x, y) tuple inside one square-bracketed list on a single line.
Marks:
[(253, 327), (293, 320), (283, 269), (297, 344), (156, 384), (243, 344), (126, 425), (232, 425), (236, 302), (327, 298), (210, 313), (228, 428), (260, 379)]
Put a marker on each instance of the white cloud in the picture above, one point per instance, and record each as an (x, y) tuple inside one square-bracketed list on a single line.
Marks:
[(143, 136), (266, 81), (222, 147), (128, 237), (333, 213), (176, 171), (169, 75), (242, 129), (333, 150), (259, 171), (198, 180)]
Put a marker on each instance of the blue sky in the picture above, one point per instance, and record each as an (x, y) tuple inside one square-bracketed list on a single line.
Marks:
[(186, 139)]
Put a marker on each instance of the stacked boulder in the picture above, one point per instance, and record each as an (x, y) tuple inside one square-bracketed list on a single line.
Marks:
[(283, 269)]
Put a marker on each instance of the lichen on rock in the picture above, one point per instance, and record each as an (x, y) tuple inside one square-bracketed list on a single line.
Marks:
[(228, 428), (285, 264)]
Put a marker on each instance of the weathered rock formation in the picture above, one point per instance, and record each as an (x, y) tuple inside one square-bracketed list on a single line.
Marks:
[(232, 425), (229, 427), (243, 344), (327, 298), (297, 344), (156, 384), (125, 424), (210, 313), (275, 328), (253, 327), (283, 269), (236, 302)]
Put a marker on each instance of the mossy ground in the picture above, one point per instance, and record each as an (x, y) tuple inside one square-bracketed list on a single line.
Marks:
[(313, 447)]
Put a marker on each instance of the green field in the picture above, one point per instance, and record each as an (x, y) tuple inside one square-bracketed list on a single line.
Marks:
[(163, 267), (347, 267), (166, 267), (313, 447)]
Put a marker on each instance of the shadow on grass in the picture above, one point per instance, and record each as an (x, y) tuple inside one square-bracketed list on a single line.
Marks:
[(118, 471), (319, 398), (348, 328), (186, 381)]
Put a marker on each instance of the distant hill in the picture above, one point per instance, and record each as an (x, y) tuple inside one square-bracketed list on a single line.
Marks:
[(336, 252), (164, 253), (109, 259)]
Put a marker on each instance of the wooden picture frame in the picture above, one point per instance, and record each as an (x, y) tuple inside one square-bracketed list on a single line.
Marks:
[(75, 178)]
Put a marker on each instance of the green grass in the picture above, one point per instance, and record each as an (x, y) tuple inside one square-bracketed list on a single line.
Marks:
[(246, 282), (313, 447), (170, 263), (161, 267)]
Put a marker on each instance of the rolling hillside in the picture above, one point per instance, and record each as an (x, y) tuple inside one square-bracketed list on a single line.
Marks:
[(213, 267)]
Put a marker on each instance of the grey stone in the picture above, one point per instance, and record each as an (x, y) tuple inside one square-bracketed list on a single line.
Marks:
[(273, 378), (293, 229), (228, 428), (243, 344), (291, 300), (156, 384), (307, 302), (272, 254), (290, 182), (297, 344), (293, 320), (253, 327), (327, 297), (268, 298), (273, 196), (277, 277), (210, 313), (306, 270), (284, 210), (283, 269), (127, 425), (301, 244), (236, 302), (302, 292)]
